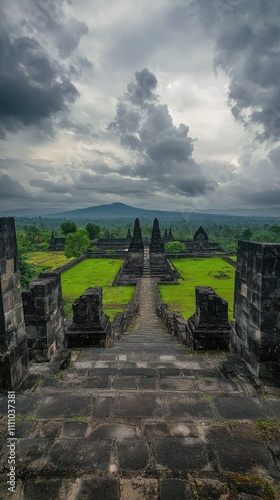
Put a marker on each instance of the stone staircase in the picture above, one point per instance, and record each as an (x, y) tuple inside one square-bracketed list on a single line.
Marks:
[(146, 266), (145, 420)]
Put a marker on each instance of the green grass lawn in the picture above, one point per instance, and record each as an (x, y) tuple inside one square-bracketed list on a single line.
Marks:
[(199, 272), (48, 260), (96, 272)]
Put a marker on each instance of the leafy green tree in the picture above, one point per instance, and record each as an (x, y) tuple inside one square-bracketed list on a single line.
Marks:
[(275, 231), (93, 230), (246, 234), (77, 243), (68, 227), (175, 247), (27, 271)]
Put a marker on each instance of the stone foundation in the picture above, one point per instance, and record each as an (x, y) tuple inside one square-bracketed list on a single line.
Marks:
[(44, 316), (161, 269), (256, 335), (90, 326), (209, 327), (13, 342)]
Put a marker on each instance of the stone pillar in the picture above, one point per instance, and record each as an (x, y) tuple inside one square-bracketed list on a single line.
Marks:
[(44, 316), (209, 328), (13, 343), (91, 326), (256, 335)]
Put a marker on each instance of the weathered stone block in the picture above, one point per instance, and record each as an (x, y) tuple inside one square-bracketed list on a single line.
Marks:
[(256, 335), (44, 316), (209, 327), (90, 326), (13, 344)]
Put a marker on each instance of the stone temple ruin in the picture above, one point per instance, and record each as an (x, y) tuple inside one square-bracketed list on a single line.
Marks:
[(32, 322), (146, 261), (135, 414)]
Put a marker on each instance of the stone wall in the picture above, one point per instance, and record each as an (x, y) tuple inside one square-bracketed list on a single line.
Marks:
[(13, 342), (44, 316), (175, 323), (123, 319), (69, 265), (207, 329), (256, 336)]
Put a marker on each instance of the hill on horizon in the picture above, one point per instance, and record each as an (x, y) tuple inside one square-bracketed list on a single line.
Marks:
[(115, 211)]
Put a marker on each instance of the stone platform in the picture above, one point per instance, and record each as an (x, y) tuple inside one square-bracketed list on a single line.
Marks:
[(144, 420)]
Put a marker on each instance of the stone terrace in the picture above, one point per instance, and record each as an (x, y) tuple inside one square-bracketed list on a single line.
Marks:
[(144, 420)]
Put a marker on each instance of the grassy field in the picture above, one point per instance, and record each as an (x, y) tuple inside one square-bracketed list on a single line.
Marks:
[(199, 272), (48, 260), (96, 272)]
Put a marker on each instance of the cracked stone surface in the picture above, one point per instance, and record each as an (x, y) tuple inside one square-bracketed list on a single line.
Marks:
[(145, 420)]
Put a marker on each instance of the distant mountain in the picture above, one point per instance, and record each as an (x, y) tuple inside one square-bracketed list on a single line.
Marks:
[(23, 212), (245, 212), (123, 211), (114, 211)]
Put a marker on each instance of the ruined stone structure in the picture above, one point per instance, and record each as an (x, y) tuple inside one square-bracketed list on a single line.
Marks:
[(90, 326), (209, 328), (200, 235), (13, 342), (44, 316), (159, 265), (133, 266), (57, 244), (156, 245), (119, 245), (136, 244), (170, 236), (256, 336), (129, 235)]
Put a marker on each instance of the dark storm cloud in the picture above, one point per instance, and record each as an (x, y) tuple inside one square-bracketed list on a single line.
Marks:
[(10, 189), (164, 150), (248, 50), (33, 86), (266, 198), (30, 90)]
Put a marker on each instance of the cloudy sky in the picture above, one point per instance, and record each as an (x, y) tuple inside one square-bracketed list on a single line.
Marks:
[(170, 104)]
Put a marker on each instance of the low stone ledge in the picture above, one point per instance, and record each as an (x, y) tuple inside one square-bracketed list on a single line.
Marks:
[(122, 320), (175, 323)]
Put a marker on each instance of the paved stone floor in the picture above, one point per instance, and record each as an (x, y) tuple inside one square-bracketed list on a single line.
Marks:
[(144, 421)]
